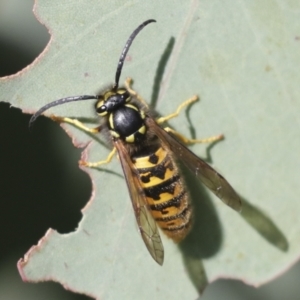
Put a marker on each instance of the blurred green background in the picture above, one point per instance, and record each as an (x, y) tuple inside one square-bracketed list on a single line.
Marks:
[(41, 185)]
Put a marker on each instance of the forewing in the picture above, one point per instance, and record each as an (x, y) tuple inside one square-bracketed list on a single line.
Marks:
[(208, 176), (146, 223)]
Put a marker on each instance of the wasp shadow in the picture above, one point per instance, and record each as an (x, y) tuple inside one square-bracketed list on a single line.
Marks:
[(160, 71), (263, 224), (205, 238), (193, 135)]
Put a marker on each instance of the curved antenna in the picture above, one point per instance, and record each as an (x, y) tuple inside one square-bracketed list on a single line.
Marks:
[(59, 102), (125, 50)]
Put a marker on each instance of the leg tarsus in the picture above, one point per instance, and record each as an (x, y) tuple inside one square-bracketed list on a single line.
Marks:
[(76, 123), (99, 163), (81, 126), (179, 108), (185, 140), (181, 137)]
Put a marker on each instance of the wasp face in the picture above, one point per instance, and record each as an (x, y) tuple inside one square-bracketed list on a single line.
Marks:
[(111, 101)]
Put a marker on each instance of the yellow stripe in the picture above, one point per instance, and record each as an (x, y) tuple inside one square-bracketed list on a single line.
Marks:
[(155, 180), (143, 162), (171, 211), (165, 197), (110, 121)]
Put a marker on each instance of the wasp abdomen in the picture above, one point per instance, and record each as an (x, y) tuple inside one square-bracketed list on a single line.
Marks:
[(165, 192)]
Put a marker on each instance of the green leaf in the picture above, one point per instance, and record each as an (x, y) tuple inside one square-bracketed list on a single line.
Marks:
[(242, 60)]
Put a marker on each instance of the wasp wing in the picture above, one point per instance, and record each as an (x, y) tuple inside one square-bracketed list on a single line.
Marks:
[(146, 223), (208, 176)]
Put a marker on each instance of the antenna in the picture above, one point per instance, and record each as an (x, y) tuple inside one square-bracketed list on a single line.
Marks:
[(125, 50), (59, 102)]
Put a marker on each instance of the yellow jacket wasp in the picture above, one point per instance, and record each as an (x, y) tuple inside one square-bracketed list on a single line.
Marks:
[(147, 153)]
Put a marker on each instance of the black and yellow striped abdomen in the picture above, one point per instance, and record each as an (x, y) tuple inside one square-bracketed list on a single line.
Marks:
[(165, 192)]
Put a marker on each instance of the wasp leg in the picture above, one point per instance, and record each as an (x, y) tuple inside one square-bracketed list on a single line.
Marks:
[(179, 108), (128, 84), (76, 123), (101, 162), (179, 135), (185, 140), (80, 125)]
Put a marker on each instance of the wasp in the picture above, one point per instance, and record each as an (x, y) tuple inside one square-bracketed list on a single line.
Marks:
[(148, 154)]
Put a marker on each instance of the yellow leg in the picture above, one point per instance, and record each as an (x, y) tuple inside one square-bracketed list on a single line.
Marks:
[(80, 125), (128, 84), (101, 162), (76, 123), (193, 141), (176, 113)]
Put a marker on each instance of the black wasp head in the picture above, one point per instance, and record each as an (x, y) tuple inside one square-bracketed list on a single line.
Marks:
[(111, 101)]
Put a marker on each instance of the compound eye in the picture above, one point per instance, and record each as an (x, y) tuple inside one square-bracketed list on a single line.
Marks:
[(101, 110), (125, 97)]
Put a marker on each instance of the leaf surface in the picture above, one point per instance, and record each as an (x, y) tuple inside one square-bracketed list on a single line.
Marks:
[(243, 61)]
